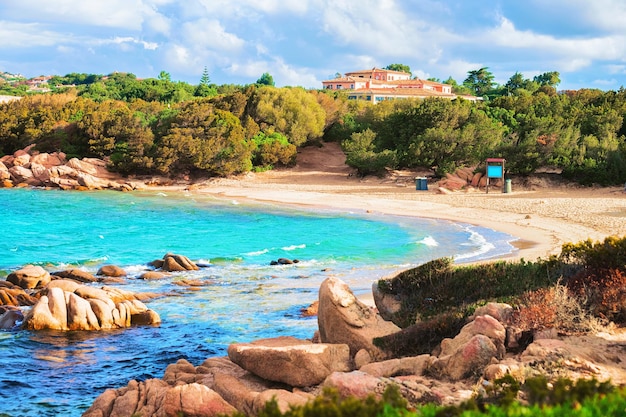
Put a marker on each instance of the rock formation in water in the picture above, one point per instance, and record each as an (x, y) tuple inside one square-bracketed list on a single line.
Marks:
[(67, 303)]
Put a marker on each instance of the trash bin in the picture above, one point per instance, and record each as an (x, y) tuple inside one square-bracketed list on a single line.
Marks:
[(507, 186), (421, 183)]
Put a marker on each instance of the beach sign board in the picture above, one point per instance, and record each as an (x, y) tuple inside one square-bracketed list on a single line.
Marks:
[(495, 169)]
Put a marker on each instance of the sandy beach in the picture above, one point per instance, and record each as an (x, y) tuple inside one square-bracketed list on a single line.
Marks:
[(541, 216)]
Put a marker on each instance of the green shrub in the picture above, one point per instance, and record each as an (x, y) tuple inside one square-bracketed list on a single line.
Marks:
[(362, 155), (561, 397), (438, 286)]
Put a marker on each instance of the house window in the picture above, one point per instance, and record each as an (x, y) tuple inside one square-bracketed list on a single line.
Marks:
[(352, 97), (379, 99), (368, 98), (352, 86), (338, 86)]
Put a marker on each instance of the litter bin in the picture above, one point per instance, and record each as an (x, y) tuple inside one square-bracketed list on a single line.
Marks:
[(507, 186), (421, 183)]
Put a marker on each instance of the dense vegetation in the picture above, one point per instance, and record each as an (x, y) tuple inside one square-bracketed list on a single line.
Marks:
[(576, 291), (157, 126), (564, 397)]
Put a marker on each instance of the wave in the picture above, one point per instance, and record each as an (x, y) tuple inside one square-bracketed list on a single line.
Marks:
[(428, 241), (293, 247), (257, 253), (475, 239)]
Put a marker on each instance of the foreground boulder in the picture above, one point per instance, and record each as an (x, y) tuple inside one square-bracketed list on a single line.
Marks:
[(295, 362), (155, 397), (257, 372), (86, 308), (478, 343), (343, 319)]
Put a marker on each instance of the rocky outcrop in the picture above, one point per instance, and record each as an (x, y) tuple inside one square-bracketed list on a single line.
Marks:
[(295, 362), (14, 295), (31, 168), (75, 274), (220, 386), (111, 271), (173, 263), (30, 277), (155, 397), (149, 275), (68, 306), (343, 319), (466, 179), (257, 372)]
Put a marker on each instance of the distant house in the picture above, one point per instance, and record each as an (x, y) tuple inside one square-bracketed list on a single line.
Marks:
[(38, 84), (378, 84)]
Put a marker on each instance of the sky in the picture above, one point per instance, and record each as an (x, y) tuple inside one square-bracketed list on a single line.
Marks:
[(303, 42)]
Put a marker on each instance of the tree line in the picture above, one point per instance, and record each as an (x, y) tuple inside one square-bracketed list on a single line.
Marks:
[(156, 126)]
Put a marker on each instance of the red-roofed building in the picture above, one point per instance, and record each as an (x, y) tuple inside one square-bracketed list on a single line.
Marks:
[(377, 85)]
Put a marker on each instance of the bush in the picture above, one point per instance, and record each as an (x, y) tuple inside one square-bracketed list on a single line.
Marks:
[(599, 277), (437, 286), (361, 154), (272, 149), (553, 307)]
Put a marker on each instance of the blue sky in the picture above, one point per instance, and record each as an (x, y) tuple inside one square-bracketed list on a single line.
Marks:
[(302, 42)]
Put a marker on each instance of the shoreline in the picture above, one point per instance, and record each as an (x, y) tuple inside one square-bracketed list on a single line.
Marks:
[(540, 220)]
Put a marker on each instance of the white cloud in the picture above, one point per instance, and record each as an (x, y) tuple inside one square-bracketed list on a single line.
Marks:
[(457, 69), (209, 34), (384, 28), (128, 14), (573, 65), (579, 51), (606, 15), (248, 8), (602, 83), (130, 40), (283, 73), (616, 69), (23, 35)]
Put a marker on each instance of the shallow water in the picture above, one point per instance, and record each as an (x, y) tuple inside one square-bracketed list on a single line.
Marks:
[(56, 373)]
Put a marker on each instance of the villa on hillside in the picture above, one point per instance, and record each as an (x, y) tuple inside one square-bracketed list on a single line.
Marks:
[(378, 84)]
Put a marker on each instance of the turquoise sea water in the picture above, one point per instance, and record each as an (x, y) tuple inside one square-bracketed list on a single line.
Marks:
[(245, 298)]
